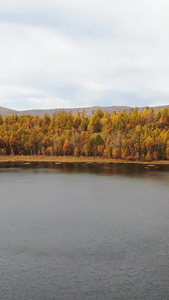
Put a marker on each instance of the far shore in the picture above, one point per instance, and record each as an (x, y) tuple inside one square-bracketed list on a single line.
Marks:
[(74, 159)]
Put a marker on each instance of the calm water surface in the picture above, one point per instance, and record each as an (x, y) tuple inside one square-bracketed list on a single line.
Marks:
[(84, 231)]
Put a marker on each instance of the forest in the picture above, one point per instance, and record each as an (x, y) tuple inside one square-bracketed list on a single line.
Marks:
[(135, 135)]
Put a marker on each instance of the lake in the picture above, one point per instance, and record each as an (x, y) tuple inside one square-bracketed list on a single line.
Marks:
[(84, 231)]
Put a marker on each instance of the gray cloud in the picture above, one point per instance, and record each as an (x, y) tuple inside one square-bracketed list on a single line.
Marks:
[(74, 53)]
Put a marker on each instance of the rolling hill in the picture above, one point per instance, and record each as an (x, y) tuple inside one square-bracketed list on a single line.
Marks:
[(88, 110)]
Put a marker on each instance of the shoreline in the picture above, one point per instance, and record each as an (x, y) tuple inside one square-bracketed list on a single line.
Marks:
[(74, 159)]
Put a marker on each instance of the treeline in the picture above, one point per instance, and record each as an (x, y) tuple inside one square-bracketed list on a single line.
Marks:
[(136, 135)]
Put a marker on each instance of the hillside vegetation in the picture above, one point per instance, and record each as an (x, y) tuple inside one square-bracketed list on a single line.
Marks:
[(134, 135)]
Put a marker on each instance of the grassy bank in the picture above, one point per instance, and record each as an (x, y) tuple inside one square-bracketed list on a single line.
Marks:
[(69, 159)]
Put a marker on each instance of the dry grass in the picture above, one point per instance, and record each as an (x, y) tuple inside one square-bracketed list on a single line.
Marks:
[(69, 159)]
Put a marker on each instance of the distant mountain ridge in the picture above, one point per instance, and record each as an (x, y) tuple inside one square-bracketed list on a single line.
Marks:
[(88, 110)]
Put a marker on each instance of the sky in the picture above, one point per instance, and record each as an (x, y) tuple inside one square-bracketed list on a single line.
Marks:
[(79, 53)]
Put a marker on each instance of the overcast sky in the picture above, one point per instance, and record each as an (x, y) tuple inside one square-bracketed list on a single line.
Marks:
[(76, 53)]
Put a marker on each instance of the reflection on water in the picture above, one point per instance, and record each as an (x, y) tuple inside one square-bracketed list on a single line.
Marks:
[(84, 231), (159, 172), (102, 168)]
